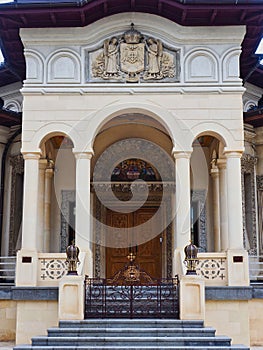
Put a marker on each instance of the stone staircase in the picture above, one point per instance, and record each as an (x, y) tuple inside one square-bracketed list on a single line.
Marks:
[(132, 334)]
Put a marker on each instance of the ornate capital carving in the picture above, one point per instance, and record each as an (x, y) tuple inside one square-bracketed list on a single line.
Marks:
[(17, 163), (248, 163), (260, 182)]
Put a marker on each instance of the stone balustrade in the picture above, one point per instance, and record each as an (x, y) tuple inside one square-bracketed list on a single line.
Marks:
[(212, 267)]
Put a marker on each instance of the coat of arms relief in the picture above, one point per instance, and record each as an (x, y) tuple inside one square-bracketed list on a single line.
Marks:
[(133, 58)]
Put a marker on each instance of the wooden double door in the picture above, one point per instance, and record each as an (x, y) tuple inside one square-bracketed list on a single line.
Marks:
[(148, 254)]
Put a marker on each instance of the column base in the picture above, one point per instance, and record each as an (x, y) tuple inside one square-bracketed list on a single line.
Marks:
[(237, 263), (192, 298), (86, 266), (178, 267), (71, 298), (26, 268)]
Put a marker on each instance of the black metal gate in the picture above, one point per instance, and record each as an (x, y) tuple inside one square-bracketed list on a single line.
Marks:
[(133, 297)]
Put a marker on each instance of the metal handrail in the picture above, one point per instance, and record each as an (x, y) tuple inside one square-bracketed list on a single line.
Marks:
[(256, 268), (7, 270)]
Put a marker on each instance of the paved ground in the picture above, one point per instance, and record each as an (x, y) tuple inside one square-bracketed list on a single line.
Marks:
[(9, 346)]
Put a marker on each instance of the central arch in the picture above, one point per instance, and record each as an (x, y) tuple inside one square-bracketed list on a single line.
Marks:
[(153, 149)]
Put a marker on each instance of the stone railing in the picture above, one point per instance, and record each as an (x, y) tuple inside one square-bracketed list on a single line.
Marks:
[(212, 267), (52, 267)]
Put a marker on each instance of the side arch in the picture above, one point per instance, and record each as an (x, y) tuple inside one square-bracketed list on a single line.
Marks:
[(48, 131), (218, 131)]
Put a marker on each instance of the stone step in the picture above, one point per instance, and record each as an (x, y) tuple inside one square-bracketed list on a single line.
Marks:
[(131, 334), (132, 341), (132, 323), (171, 347), (128, 332)]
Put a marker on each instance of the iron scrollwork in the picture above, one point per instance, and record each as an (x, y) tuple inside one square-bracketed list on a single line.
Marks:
[(131, 293)]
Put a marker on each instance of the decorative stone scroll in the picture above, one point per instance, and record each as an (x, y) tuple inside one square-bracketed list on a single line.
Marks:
[(133, 57)]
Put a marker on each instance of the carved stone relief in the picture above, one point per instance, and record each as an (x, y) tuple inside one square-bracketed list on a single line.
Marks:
[(248, 163), (133, 57), (134, 146), (17, 163), (260, 211), (200, 197), (67, 197)]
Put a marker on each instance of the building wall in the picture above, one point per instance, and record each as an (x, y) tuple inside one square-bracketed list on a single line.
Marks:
[(239, 319), (7, 320), (34, 318), (230, 318), (255, 320)]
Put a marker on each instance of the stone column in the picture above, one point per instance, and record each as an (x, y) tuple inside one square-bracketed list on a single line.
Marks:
[(31, 181), (83, 215), (237, 257), (221, 163), (41, 191), (182, 209), (216, 207), (234, 200), (47, 207), (26, 272)]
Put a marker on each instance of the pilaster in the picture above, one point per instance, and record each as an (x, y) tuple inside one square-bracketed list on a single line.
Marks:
[(26, 268)]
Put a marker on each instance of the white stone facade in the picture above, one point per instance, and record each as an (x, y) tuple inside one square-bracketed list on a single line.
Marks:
[(206, 98)]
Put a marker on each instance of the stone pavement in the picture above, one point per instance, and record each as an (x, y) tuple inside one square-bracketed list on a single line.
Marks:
[(9, 346)]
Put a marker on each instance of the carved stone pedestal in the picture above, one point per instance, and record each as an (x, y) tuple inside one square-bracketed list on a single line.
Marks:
[(192, 298), (71, 298)]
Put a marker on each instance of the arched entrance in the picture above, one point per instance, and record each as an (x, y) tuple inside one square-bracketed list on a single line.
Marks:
[(149, 253), (133, 222)]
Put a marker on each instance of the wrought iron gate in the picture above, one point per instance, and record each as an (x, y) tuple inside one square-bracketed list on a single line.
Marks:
[(131, 293)]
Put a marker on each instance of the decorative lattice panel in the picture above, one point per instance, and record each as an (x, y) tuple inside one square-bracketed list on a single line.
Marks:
[(51, 270), (213, 270)]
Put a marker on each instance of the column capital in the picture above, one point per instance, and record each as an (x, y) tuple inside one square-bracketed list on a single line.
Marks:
[(233, 154), (49, 172), (214, 172), (182, 154), (31, 155), (84, 155), (42, 163), (221, 163)]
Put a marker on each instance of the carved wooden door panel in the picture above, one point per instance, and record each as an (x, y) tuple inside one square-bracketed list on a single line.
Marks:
[(149, 254), (116, 258)]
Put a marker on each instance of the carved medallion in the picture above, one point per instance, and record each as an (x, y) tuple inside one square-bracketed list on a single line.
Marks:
[(132, 58)]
